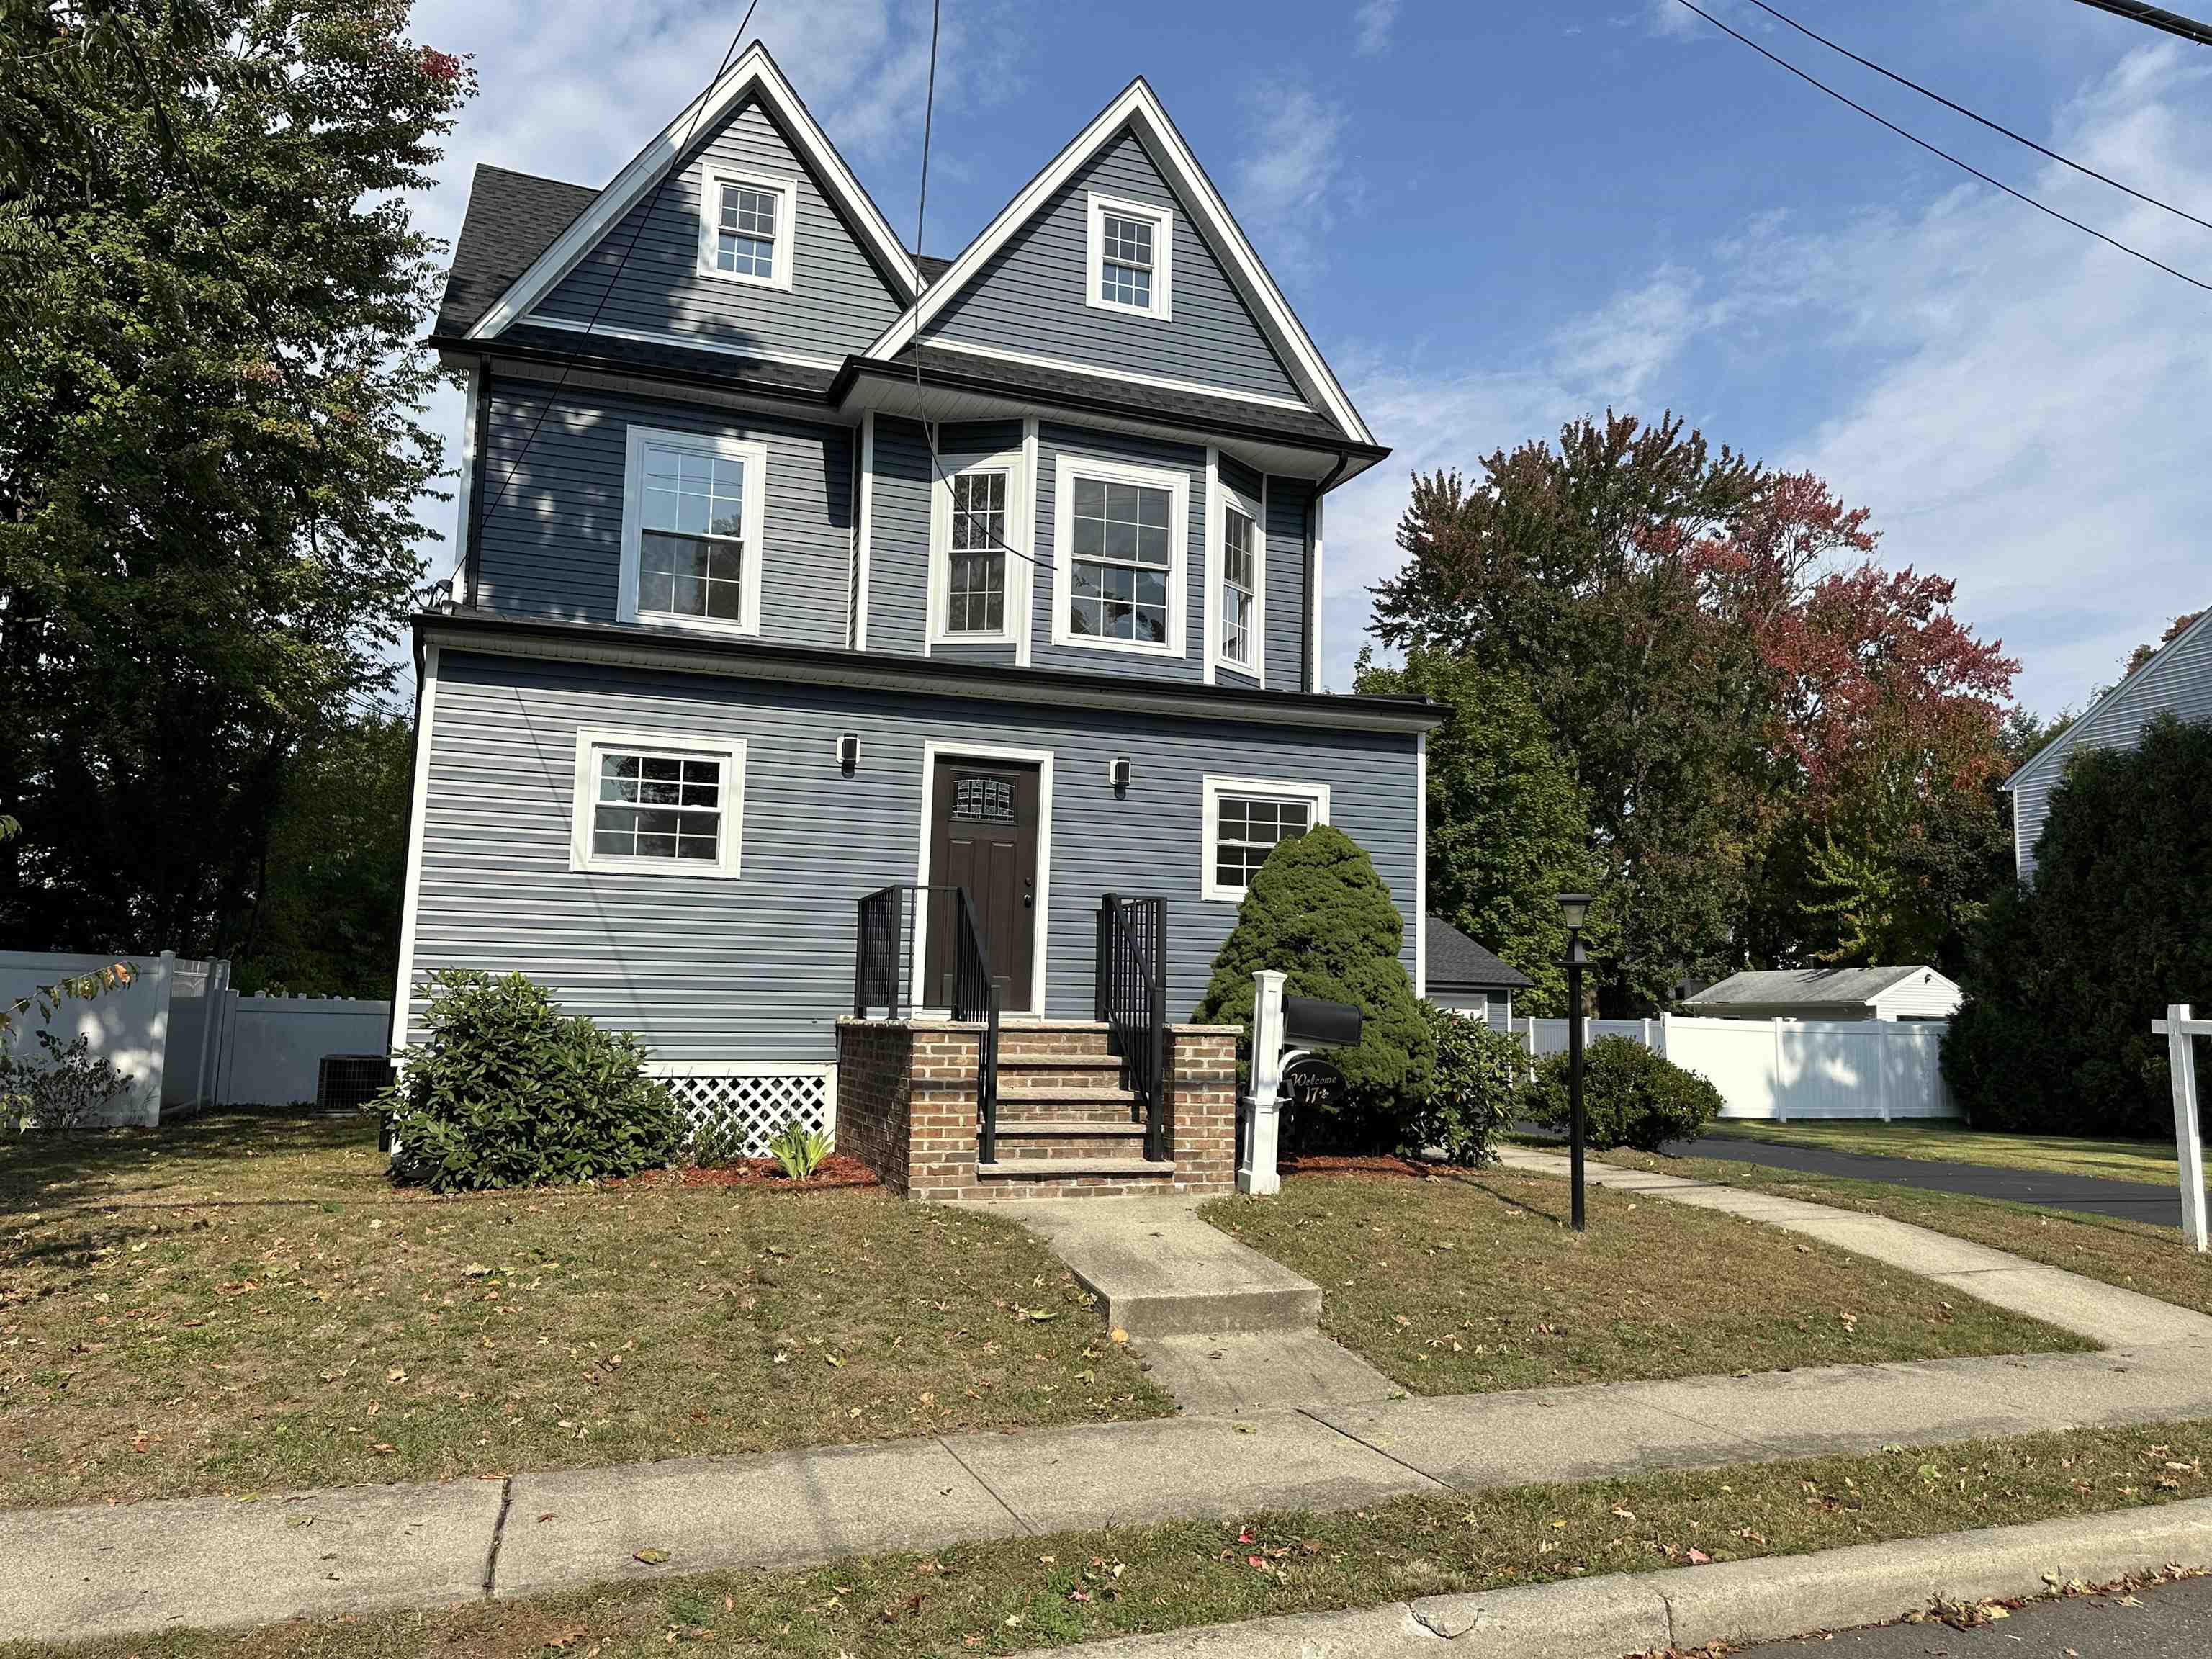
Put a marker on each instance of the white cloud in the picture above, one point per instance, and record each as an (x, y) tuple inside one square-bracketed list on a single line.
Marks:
[(1371, 25), (2018, 403), (1289, 185)]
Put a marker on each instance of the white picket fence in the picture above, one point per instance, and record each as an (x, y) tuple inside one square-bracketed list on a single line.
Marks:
[(1787, 1069)]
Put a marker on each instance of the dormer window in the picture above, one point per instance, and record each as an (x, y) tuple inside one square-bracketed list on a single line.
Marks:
[(1131, 249), (745, 224)]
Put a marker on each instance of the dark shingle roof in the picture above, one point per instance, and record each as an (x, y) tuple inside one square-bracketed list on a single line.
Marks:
[(512, 218), (1457, 962), (931, 266), (613, 351)]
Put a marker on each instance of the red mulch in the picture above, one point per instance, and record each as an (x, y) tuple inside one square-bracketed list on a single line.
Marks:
[(837, 1173), (1378, 1169)]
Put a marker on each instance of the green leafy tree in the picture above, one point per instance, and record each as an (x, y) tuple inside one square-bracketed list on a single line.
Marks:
[(211, 436), (1508, 829), (2064, 975), (1317, 911)]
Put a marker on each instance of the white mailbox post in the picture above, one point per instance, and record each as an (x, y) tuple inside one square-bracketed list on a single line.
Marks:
[(1263, 1118), (2181, 1028)]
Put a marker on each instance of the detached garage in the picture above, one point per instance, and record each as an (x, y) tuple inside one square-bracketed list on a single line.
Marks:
[(1828, 993), (1465, 978)]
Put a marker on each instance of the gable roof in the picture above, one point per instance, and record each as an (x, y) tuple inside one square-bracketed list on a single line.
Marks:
[(1810, 986), (1457, 962), (1137, 109), (512, 217), (2052, 752), (755, 73)]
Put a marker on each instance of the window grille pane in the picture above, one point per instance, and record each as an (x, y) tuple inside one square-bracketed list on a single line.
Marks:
[(658, 806), (1247, 828), (744, 241), (1122, 552)]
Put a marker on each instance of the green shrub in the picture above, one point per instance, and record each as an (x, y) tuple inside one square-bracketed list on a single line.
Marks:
[(1474, 1091), (1630, 1096), (798, 1149), (72, 1088), (507, 1091), (1317, 911), (2063, 977)]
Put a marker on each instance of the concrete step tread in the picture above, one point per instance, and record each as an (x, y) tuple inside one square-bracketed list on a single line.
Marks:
[(1063, 1094), (1066, 1168), (1030, 1127), (1018, 1062)]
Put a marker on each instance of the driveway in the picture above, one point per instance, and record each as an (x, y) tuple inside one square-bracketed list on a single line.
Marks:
[(2132, 1201)]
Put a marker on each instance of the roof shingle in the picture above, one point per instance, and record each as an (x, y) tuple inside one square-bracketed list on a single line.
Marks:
[(1458, 963)]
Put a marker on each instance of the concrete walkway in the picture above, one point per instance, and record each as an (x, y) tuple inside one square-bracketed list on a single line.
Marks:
[(2130, 1200)]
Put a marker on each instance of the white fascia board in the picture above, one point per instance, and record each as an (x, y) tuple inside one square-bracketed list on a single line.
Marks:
[(755, 71), (1141, 110)]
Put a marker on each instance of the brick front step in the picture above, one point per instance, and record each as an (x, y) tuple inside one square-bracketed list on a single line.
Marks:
[(1039, 1169), (1027, 1128), (1099, 1071)]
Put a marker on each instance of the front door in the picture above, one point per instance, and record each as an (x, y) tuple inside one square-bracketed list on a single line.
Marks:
[(983, 836)]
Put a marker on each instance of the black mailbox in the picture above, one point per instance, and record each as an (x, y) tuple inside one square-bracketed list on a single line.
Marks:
[(1311, 1023)]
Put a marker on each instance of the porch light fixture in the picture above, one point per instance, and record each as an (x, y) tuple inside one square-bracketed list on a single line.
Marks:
[(848, 753), (1117, 771), (1574, 910)]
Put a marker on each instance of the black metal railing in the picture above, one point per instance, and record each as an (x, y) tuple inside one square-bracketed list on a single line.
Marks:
[(885, 948), (1131, 999)]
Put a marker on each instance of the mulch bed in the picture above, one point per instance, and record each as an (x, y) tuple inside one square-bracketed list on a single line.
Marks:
[(837, 1173), (1377, 1167)]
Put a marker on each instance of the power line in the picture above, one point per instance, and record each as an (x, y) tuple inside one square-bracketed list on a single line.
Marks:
[(1967, 167), (645, 212), (2157, 18), (1994, 126)]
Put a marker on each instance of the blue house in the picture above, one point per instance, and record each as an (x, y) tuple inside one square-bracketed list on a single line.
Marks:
[(796, 565)]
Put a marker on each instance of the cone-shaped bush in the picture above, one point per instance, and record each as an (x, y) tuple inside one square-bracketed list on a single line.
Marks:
[(1317, 911)]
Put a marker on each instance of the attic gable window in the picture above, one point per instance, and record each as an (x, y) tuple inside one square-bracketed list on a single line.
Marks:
[(745, 225), (1131, 247)]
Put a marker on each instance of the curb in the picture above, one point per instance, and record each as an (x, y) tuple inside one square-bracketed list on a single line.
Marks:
[(1769, 1599)]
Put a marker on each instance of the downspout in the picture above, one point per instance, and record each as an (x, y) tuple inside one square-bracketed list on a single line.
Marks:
[(1311, 680)]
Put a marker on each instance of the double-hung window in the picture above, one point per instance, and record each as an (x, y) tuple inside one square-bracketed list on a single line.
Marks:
[(745, 226), (1131, 262), (1244, 819), (655, 801), (1118, 535), (1240, 588), (978, 550), (691, 531)]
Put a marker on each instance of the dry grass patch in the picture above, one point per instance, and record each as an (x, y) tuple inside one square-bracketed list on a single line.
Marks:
[(1469, 1282), (1955, 1143), (244, 1302), (1025, 1593)]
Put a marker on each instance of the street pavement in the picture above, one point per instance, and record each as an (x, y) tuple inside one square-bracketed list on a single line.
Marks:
[(2160, 1621)]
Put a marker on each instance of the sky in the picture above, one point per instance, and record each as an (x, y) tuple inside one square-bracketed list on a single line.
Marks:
[(1496, 217)]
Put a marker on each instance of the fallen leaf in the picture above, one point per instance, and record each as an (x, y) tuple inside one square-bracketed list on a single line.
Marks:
[(652, 1557)]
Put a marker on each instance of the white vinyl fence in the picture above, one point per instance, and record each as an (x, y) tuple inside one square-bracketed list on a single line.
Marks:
[(1787, 1069), (131, 1024)]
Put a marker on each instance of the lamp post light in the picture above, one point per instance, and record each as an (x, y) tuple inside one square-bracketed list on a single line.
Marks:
[(1574, 910)]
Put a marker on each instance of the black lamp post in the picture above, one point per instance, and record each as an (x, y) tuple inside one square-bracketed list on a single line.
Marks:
[(1574, 908)]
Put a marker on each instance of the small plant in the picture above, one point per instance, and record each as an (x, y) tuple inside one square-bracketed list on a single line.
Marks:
[(798, 1149), (1474, 1092), (70, 1088), (1630, 1096)]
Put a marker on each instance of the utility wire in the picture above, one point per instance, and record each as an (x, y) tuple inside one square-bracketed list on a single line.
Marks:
[(1995, 184), (1994, 126), (640, 214), (2157, 18)]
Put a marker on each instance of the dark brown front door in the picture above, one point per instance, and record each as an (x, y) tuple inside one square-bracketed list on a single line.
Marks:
[(983, 836)]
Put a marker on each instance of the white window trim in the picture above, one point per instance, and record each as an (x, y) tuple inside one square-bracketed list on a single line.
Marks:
[(1161, 308), (1015, 465), (731, 751), (755, 457), (931, 752), (1233, 500), (1176, 482), (1213, 788), (712, 178)]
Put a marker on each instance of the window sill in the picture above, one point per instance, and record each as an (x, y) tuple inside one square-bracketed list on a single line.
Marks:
[(691, 624), (698, 868), (1133, 647)]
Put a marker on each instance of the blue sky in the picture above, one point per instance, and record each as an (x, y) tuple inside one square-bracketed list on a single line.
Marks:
[(1493, 217)]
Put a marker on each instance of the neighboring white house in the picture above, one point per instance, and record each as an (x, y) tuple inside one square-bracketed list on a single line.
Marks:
[(1830, 994), (2177, 681), (1465, 978)]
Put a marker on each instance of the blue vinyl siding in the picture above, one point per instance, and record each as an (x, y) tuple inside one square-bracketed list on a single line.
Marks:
[(1030, 296), (898, 529), (838, 301), (552, 544), (1289, 565), (758, 969)]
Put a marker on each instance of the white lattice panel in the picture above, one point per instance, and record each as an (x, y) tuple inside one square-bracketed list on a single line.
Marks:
[(732, 1115)]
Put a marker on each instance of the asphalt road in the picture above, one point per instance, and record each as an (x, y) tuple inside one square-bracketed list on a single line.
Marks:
[(2163, 1621), (2133, 1200)]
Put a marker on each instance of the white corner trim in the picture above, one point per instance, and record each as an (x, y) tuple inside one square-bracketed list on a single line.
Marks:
[(1176, 482), (426, 727), (465, 495), (691, 745), (1421, 865), (755, 71), (1162, 309), (1093, 371), (1138, 107), (943, 469), (1314, 602), (689, 343), (867, 522), (713, 177), (932, 750), (1029, 541), (1215, 527), (755, 459), (1211, 789)]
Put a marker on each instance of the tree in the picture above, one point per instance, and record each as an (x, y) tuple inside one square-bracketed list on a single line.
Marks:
[(1508, 829), (2064, 976), (2143, 653), (1317, 911), (210, 432)]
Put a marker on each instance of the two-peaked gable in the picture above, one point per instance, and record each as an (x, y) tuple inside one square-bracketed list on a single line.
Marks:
[(1040, 293)]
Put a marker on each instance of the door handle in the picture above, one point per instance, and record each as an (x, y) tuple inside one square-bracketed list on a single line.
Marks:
[(1029, 893)]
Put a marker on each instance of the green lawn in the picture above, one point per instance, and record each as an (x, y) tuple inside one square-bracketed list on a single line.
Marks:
[(1466, 1282), (1954, 1143), (2134, 1254), (1027, 1593), (243, 1303)]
